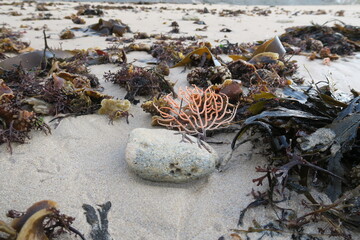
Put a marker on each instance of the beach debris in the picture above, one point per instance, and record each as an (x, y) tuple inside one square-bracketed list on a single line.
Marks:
[(41, 221), (99, 224), (141, 35), (138, 47), (311, 135), (207, 76), (340, 39), (48, 82), (225, 47), (198, 112), (115, 109), (9, 41), (67, 34), (35, 59), (175, 27), (231, 88), (159, 102), (77, 20), (16, 123), (199, 22), (40, 17), (200, 57), (169, 53), (203, 29), (140, 81), (88, 11), (41, 7), (189, 17), (225, 30), (110, 27), (161, 155)]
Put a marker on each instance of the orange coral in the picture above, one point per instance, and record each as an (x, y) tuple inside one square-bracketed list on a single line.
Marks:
[(204, 110)]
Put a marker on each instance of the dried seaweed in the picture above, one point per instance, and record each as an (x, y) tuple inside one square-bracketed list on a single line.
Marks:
[(315, 37), (48, 82), (9, 41), (110, 27), (140, 81)]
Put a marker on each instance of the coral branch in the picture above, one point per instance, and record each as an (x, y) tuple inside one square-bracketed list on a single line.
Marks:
[(204, 110)]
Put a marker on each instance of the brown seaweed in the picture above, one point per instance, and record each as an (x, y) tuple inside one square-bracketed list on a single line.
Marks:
[(314, 37), (41, 221), (309, 135), (140, 81), (110, 27)]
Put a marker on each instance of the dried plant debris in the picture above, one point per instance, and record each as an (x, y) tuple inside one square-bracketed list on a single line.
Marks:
[(67, 34), (110, 27), (115, 108), (35, 84), (99, 227), (140, 81), (170, 53), (205, 77), (200, 57), (89, 11), (77, 20), (340, 39), (9, 41), (314, 140), (41, 221), (153, 105), (16, 123)]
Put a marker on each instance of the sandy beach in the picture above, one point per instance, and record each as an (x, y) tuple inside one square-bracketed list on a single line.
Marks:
[(83, 159)]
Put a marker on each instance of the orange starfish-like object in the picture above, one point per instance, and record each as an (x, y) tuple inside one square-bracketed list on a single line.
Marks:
[(203, 110)]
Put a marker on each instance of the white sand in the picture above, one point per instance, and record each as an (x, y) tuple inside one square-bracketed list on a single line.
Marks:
[(82, 161)]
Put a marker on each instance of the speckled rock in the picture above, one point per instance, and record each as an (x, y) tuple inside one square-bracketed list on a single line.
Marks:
[(159, 155)]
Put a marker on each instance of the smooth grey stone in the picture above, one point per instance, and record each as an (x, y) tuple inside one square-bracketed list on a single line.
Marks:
[(161, 155)]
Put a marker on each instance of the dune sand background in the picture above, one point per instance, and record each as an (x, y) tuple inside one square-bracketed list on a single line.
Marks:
[(82, 161)]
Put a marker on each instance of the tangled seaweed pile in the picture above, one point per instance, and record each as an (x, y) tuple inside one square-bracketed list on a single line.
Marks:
[(55, 83)]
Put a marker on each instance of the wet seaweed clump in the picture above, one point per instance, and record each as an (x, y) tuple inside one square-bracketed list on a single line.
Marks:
[(313, 139), (140, 81), (340, 39)]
